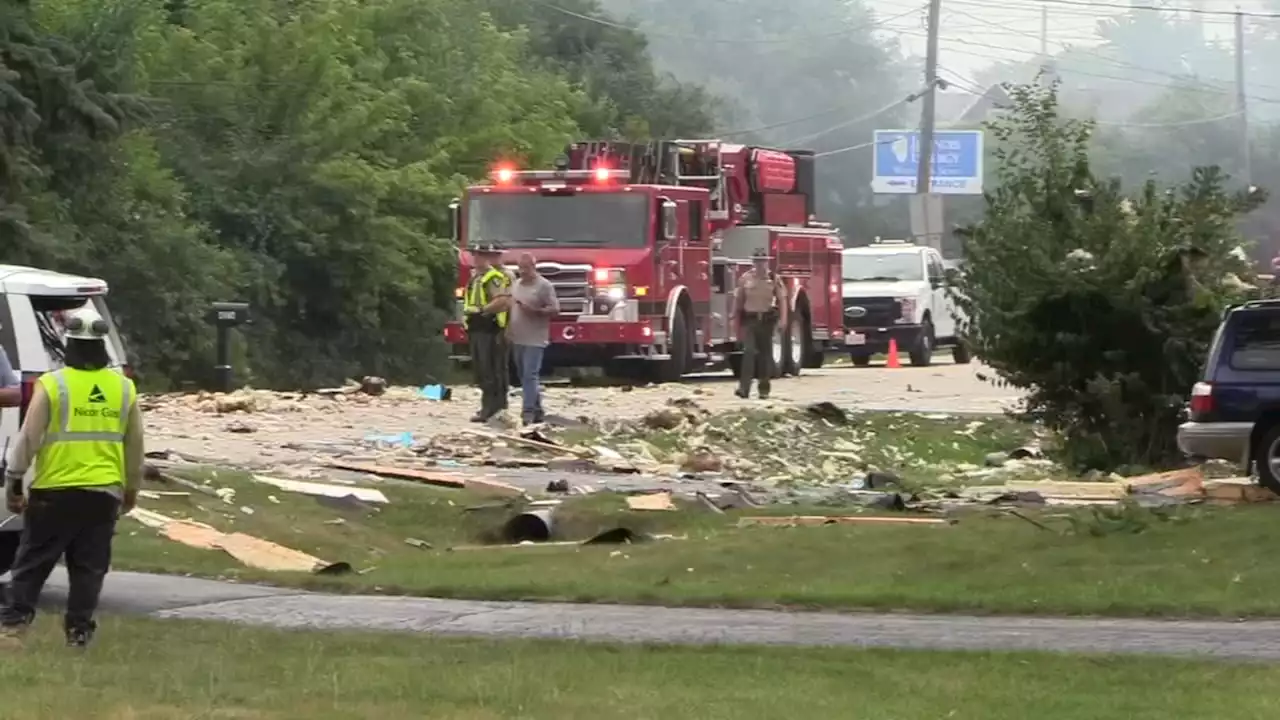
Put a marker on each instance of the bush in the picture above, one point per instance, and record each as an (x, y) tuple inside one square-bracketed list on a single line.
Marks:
[(1099, 305)]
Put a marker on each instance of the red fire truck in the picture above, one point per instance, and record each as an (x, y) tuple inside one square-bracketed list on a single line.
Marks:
[(644, 243)]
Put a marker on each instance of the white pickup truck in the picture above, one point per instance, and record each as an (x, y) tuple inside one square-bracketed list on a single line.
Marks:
[(32, 303), (897, 290)]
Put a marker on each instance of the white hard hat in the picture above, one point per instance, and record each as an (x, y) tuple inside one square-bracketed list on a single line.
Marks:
[(85, 324)]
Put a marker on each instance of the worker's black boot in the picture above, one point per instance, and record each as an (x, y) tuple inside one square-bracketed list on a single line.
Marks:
[(79, 637)]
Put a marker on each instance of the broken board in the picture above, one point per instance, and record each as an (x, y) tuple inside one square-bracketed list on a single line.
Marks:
[(794, 520), (303, 487), (422, 476), (651, 501)]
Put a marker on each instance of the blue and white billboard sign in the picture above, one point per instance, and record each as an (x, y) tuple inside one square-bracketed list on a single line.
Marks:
[(956, 168)]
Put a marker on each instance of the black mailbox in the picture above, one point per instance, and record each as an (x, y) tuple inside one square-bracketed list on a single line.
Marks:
[(224, 316), (229, 313)]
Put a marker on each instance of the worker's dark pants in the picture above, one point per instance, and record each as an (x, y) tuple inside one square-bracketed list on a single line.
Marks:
[(73, 522), (757, 351), (492, 370)]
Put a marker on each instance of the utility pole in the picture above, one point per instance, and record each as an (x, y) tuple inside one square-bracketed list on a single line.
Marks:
[(1044, 34), (1246, 162), (926, 214), (927, 119)]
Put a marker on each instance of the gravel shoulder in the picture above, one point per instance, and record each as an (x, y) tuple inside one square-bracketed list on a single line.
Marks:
[(292, 429), (189, 598)]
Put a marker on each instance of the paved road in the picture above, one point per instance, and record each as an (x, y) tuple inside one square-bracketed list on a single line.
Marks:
[(189, 598)]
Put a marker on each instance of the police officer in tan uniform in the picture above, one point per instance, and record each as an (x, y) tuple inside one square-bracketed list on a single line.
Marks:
[(759, 305)]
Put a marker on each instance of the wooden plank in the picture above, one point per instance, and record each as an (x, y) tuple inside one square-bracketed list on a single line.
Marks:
[(430, 478), (536, 444), (265, 555), (794, 520), (369, 495), (489, 486), (192, 534), (651, 501), (1079, 490)]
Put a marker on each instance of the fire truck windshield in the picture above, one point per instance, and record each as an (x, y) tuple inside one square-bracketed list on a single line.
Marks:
[(588, 219)]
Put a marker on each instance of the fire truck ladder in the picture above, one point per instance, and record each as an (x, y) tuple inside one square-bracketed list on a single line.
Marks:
[(708, 172)]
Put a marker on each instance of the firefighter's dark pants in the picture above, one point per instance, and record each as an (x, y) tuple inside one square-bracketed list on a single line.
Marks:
[(492, 369), (75, 523), (757, 351)]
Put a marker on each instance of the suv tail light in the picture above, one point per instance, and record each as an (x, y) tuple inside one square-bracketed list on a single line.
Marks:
[(1201, 399)]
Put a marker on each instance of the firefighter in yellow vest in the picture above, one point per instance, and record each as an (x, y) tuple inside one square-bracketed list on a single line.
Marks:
[(83, 430), (484, 308)]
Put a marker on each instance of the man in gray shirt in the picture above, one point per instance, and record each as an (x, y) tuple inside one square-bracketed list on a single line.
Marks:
[(533, 304)]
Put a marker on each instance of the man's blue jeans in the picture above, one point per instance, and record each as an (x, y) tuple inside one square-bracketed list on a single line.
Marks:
[(528, 360)]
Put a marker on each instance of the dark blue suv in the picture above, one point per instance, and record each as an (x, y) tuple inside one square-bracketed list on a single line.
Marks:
[(1235, 408)]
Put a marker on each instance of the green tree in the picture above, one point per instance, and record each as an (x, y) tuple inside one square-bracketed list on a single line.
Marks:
[(89, 190), (1099, 304)]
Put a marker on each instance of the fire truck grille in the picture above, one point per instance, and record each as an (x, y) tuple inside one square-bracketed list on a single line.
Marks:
[(572, 284), (871, 312)]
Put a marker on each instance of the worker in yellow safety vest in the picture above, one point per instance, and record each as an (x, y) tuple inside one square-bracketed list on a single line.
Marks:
[(484, 307), (83, 430)]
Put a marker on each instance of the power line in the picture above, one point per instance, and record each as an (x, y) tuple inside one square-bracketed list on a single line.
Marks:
[(723, 41), (784, 123), (1073, 71), (1171, 124), (1111, 61), (851, 148), (1156, 8), (853, 121)]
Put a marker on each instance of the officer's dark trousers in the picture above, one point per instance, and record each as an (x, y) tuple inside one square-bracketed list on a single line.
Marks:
[(492, 372), (77, 524), (757, 351)]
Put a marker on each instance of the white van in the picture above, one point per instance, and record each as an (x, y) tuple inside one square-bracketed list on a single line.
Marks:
[(32, 303)]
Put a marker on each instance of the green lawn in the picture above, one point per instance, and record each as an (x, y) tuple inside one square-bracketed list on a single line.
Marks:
[(1214, 562), (172, 670)]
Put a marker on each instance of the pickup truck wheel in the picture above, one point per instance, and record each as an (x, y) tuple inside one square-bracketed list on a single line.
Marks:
[(960, 353), (1266, 458), (922, 353), (860, 360)]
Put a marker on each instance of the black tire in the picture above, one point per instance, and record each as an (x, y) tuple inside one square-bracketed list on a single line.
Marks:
[(1267, 446), (8, 550), (817, 358), (674, 368), (860, 360), (922, 353), (960, 353), (735, 364), (795, 330)]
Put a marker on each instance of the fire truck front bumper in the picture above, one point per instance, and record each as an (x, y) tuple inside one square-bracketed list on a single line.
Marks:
[(616, 339)]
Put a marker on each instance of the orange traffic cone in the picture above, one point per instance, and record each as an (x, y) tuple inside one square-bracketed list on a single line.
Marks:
[(893, 361)]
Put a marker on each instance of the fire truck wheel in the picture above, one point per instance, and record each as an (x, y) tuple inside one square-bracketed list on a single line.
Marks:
[(793, 346), (671, 370), (735, 364)]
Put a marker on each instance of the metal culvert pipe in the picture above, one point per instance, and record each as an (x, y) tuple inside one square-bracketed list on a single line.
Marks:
[(532, 526)]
